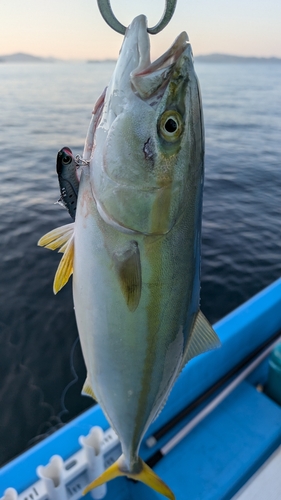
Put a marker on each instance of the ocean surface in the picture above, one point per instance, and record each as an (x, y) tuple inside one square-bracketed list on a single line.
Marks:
[(47, 106)]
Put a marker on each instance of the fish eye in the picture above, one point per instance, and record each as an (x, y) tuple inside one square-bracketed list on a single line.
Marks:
[(66, 160), (171, 125)]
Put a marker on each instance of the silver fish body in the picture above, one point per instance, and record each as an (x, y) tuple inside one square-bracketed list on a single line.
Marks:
[(135, 246), (136, 279)]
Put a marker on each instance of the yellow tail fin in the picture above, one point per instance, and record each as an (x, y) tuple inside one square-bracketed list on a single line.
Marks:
[(145, 475)]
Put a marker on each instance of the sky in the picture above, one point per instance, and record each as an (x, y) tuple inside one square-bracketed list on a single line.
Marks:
[(74, 29)]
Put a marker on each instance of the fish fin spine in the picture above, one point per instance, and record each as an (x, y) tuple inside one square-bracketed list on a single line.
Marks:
[(202, 338), (144, 474)]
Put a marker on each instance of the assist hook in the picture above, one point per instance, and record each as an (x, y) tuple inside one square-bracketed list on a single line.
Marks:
[(110, 19)]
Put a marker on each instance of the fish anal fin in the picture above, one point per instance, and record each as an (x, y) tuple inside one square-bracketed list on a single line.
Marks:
[(144, 474), (87, 389), (128, 267), (65, 268), (202, 338)]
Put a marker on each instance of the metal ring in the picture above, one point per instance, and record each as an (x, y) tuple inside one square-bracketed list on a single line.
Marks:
[(107, 13)]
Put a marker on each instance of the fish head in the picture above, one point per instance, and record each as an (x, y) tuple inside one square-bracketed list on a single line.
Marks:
[(148, 147)]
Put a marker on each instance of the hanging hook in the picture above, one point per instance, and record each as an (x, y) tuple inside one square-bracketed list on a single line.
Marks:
[(110, 19)]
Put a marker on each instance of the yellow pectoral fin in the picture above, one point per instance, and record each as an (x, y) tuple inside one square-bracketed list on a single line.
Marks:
[(145, 474), (65, 268), (57, 237), (61, 238)]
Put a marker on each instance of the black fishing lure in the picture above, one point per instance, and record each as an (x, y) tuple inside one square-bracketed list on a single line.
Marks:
[(68, 180)]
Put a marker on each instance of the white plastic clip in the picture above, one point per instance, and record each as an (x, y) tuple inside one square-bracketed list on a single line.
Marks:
[(52, 476), (95, 459), (10, 494), (60, 480)]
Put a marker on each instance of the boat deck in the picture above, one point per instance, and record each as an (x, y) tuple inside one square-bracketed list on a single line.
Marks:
[(266, 483)]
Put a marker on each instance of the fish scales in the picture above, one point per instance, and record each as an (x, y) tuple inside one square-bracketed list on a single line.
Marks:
[(137, 239)]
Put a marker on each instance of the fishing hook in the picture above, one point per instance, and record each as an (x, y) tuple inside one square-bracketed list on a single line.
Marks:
[(80, 161), (107, 13)]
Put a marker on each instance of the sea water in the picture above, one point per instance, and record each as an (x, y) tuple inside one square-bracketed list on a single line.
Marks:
[(47, 106)]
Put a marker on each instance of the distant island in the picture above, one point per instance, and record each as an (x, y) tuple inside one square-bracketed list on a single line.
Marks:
[(21, 57), (101, 60), (225, 58)]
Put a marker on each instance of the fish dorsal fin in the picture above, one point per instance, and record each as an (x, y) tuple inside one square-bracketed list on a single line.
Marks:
[(61, 238), (87, 389), (128, 267), (202, 338)]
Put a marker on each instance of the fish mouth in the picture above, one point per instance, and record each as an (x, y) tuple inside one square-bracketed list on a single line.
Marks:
[(134, 70), (149, 78)]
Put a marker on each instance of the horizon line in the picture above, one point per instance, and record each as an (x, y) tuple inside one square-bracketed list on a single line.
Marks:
[(94, 59)]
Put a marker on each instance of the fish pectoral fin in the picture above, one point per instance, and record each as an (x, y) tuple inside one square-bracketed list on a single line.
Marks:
[(145, 474), (202, 338), (87, 389), (65, 268), (128, 267), (61, 238), (57, 238)]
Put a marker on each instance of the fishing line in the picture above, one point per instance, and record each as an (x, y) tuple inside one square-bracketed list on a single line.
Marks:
[(72, 382), (249, 363)]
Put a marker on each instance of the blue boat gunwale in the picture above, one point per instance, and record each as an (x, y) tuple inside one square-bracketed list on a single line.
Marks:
[(240, 332)]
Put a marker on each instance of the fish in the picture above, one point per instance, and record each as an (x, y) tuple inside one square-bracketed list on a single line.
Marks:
[(68, 180), (134, 249)]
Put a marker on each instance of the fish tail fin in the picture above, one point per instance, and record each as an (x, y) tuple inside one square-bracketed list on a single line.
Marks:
[(144, 474)]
